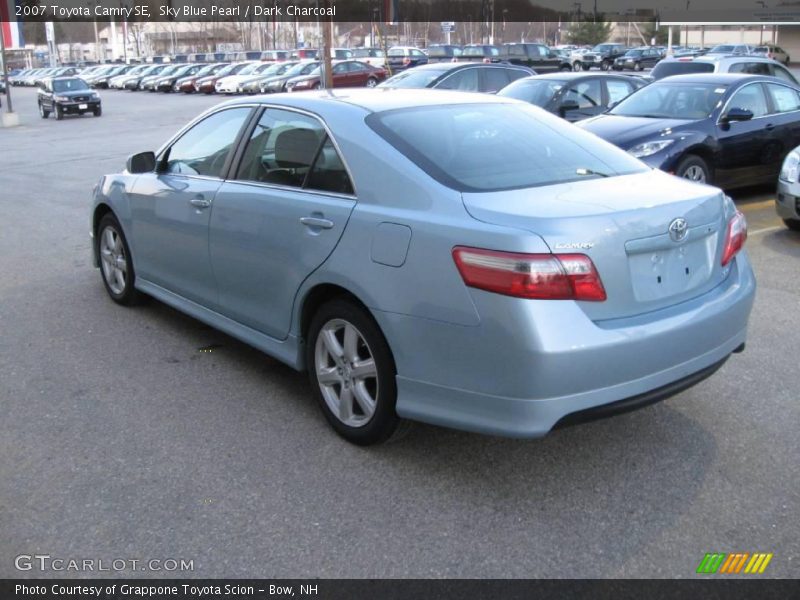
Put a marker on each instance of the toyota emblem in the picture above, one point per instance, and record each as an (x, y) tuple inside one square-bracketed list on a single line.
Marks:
[(678, 229)]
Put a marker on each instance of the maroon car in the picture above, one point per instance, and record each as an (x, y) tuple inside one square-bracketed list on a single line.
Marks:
[(206, 84), (345, 73), (186, 84)]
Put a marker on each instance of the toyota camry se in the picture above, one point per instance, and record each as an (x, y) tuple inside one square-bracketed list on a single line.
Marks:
[(462, 260)]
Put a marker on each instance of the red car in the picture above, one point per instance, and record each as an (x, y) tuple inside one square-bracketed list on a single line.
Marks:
[(186, 84), (346, 73)]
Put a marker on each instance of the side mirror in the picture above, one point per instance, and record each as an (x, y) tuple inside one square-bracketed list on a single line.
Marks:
[(567, 106), (144, 162), (737, 114)]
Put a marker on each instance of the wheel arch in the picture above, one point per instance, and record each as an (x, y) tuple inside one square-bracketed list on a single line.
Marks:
[(100, 211), (318, 295)]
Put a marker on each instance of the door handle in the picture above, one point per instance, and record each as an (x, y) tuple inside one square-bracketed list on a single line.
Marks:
[(316, 222), (769, 127), (200, 202)]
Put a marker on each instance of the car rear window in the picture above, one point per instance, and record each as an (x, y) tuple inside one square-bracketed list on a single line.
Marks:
[(679, 67), (494, 147)]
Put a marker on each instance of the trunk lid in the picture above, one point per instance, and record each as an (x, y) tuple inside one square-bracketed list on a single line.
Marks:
[(623, 225)]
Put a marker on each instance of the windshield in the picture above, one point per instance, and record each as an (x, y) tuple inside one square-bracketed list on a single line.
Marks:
[(493, 147), (535, 91), (671, 100), (247, 69), (69, 85), (480, 51), (721, 49), (413, 78)]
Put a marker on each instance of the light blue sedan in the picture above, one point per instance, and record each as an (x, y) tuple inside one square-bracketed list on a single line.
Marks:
[(463, 260)]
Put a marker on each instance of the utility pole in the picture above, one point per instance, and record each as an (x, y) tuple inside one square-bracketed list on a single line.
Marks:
[(9, 119), (327, 69)]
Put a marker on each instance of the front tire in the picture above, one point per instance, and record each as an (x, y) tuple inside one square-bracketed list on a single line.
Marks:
[(793, 224), (694, 168), (577, 66), (352, 373), (42, 112), (605, 65), (116, 265), (59, 113), (637, 66), (98, 111)]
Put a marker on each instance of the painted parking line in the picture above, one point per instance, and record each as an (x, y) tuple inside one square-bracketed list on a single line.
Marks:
[(765, 230)]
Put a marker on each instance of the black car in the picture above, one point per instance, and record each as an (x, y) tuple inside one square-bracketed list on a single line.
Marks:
[(731, 130), (603, 56), (573, 96), (67, 96), (465, 77), (538, 57), (637, 59)]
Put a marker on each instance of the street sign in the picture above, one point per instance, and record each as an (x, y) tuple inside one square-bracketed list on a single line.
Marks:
[(448, 26)]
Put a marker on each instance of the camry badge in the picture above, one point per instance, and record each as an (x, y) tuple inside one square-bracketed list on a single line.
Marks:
[(678, 229), (574, 245)]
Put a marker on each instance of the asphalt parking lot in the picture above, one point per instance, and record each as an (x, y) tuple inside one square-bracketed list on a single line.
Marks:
[(143, 434)]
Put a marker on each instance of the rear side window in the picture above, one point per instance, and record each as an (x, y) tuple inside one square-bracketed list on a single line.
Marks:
[(677, 67), (781, 73), (617, 90), (587, 94), (492, 147), (495, 79), (465, 80), (784, 99), (294, 150)]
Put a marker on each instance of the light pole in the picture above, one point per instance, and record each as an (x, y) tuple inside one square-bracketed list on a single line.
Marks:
[(96, 39)]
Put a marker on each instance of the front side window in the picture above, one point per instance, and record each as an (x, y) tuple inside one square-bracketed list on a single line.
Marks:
[(492, 147), (750, 97), (293, 149), (204, 148), (585, 94)]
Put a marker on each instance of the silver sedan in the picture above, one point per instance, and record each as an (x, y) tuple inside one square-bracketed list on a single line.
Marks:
[(472, 262)]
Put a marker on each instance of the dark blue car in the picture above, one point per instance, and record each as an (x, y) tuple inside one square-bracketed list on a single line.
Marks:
[(731, 130)]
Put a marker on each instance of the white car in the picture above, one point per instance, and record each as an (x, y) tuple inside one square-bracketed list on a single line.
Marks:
[(372, 56), (230, 84), (773, 52)]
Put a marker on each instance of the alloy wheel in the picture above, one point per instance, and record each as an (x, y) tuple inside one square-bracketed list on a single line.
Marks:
[(346, 372), (113, 261), (695, 173)]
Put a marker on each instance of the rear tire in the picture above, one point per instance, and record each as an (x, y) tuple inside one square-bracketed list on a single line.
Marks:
[(637, 66), (577, 66), (793, 224), (352, 373), (694, 168), (605, 65), (372, 82)]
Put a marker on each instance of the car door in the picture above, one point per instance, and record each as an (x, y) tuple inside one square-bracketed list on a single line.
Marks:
[(277, 219), (170, 208), (746, 148), (342, 76)]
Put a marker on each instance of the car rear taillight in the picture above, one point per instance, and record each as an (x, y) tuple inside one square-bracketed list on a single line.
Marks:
[(539, 276), (734, 238)]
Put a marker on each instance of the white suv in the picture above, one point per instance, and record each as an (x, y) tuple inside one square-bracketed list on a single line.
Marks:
[(751, 65)]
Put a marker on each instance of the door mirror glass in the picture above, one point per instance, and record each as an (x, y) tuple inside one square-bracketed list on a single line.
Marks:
[(737, 114), (144, 162)]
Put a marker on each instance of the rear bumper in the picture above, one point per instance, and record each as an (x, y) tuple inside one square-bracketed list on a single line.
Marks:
[(522, 371)]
